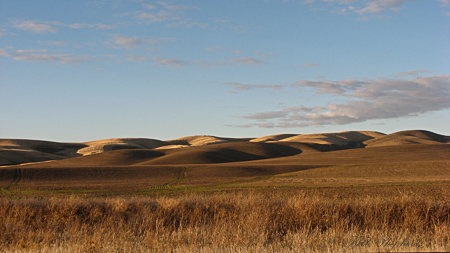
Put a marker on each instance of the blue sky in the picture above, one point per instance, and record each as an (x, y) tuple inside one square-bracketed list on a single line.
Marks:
[(86, 70)]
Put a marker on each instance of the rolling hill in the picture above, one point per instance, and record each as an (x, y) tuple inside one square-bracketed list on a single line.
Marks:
[(204, 149), (138, 163), (408, 137)]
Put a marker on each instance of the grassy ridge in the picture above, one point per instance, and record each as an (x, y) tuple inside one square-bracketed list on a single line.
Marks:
[(290, 220)]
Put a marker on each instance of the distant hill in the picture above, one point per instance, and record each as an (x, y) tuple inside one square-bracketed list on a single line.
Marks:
[(201, 149), (340, 138), (100, 146), (408, 137), (276, 137)]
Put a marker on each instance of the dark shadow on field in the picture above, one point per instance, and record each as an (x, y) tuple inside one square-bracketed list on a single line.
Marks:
[(128, 177)]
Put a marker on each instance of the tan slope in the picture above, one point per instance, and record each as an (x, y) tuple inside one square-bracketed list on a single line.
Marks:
[(408, 137), (200, 140), (100, 146), (171, 147), (276, 137), (340, 138)]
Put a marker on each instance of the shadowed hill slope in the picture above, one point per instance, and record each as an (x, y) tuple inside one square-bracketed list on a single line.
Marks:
[(224, 153), (18, 151), (204, 149), (408, 137), (209, 154), (384, 154), (111, 158), (55, 148), (13, 157)]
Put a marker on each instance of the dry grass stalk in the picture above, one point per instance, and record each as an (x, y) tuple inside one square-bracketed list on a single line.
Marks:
[(227, 222)]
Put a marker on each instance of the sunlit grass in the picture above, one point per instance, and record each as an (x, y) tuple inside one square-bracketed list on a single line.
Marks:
[(385, 218)]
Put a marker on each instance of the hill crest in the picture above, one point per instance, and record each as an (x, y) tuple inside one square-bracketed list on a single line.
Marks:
[(19, 151)]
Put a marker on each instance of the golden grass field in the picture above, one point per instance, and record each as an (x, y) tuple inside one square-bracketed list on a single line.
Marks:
[(331, 192)]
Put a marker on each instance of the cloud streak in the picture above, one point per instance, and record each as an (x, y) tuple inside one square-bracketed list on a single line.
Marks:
[(177, 63), (93, 26), (42, 55), (134, 42), (246, 61), (368, 7), (241, 86), (125, 42), (44, 27), (164, 12), (367, 100), (172, 62), (381, 5), (34, 26)]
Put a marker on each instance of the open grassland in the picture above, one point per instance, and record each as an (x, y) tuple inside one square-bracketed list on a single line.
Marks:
[(345, 219), (335, 192)]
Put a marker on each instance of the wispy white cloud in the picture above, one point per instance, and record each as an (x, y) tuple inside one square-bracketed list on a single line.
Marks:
[(172, 15), (5, 53), (163, 12), (125, 42), (30, 51), (170, 62), (334, 87), (246, 61), (93, 26), (34, 26), (412, 73), (264, 55), (242, 86), (381, 5), (43, 27), (149, 6), (367, 100), (119, 41), (159, 16), (445, 2), (2, 32), (54, 43), (60, 58), (365, 8), (267, 115), (189, 24), (43, 55), (172, 7)]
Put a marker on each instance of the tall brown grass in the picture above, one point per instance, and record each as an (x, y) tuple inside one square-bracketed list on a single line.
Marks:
[(224, 222)]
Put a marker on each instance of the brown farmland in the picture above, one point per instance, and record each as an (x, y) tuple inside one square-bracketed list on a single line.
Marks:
[(284, 192)]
